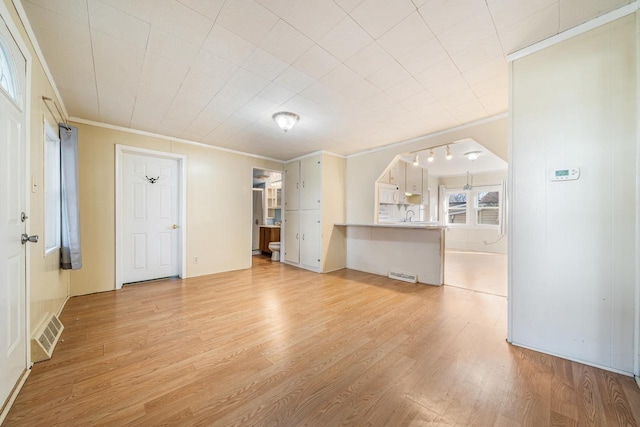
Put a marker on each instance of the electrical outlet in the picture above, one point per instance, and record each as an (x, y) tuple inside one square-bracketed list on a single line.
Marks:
[(195, 259)]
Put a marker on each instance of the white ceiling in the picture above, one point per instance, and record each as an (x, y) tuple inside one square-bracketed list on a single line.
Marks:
[(459, 164), (360, 73)]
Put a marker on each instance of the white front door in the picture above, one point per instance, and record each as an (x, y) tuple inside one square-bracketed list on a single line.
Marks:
[(13, 345), (150, 218)]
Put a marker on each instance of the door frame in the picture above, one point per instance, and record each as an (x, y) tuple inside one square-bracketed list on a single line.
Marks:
[(26, 109), (264, 212), (281, 172), (121, 150)]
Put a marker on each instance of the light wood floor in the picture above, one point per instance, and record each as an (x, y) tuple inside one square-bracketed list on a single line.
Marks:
[(476, 271), (275, 345)]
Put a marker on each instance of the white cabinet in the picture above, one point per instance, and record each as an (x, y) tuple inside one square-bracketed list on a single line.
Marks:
[(292, 186), (310, 239), (310, 182), (414, 179), (396, 174), (292, 236)]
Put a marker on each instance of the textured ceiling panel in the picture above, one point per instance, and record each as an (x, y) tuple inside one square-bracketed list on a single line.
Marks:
[(360, 73)]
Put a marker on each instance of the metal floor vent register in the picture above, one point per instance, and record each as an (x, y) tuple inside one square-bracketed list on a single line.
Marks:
[(405, 277), (45, 341)]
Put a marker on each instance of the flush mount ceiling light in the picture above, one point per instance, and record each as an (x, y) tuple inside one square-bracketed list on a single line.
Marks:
[(416, 160), (472, 155), (431, 157), (285, 119), (447, 153)]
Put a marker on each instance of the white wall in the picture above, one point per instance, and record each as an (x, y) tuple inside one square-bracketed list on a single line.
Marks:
[(572, 283), (363, 170), (472, 238), (219, 205)]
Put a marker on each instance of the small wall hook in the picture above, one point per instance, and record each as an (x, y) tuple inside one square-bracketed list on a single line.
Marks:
[(152, 180)]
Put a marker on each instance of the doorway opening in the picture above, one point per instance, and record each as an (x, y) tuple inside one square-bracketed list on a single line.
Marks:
[(462, 186), (150, 215), (266, 218)]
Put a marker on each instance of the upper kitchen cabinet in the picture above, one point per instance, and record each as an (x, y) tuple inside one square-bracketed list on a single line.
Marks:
[(311, 239), (413, 179), (400, 193), (292, 186)]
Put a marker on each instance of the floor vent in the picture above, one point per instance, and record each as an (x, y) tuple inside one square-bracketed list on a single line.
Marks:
[(405, 277), (42, 346)]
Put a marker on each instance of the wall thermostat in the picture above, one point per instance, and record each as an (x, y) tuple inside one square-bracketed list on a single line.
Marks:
[(566, 174)]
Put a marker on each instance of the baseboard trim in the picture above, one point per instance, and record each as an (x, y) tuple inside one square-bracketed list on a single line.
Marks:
[(64, 303), (14, 394)]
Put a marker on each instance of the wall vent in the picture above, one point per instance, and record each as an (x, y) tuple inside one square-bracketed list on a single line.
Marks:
[(45, 341), (405, 277)]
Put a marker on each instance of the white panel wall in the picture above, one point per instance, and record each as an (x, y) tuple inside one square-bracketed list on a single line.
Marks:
[(573, 243)]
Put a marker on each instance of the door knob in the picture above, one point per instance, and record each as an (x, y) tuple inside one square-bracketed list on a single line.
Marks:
[(174, 226), (26, 238)]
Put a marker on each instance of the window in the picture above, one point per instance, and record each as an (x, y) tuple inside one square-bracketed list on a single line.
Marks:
[(52, 190), (457, 208), (477, 207), (488, 208), (7, 76)]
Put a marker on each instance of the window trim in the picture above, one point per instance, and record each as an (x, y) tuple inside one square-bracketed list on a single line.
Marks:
[(50, 137), (472, 208)]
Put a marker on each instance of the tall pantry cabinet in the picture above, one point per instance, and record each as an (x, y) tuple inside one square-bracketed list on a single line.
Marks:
[(313, 203)]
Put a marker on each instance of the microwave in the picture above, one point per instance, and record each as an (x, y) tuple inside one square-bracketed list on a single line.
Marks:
[(388, 193)]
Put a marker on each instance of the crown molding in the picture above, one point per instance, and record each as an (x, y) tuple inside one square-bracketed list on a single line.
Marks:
[(575, 31), (169, 138)]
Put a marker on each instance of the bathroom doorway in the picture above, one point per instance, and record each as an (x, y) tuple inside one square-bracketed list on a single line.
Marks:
[(266, 218)]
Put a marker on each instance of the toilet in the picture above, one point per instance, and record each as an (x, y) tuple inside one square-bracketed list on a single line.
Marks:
[(274, 247)]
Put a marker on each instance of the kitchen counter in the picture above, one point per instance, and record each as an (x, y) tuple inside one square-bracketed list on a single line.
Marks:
[(407, 248), (269, 226), (416, 225)]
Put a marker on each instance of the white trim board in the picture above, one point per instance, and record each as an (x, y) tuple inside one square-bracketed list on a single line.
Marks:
[(169, 138), (182, 162), (575, 31), (636, 338)]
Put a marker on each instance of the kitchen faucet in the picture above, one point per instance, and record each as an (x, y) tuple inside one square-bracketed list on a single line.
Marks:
[(407, 218)]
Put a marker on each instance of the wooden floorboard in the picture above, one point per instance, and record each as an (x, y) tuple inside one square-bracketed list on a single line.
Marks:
[(276, 345)]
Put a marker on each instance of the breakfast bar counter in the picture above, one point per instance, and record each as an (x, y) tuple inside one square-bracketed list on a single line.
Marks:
[(405, 249)]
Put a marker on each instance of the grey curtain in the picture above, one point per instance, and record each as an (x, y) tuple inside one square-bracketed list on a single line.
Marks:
[(71, 254)]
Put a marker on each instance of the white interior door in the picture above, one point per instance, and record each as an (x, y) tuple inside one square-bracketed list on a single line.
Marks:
[(258, 217), (150, 217), (13, 345)]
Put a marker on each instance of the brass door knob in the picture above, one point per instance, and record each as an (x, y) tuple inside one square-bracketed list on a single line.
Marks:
[(174, 226)]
